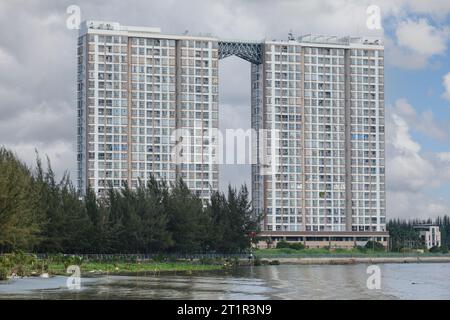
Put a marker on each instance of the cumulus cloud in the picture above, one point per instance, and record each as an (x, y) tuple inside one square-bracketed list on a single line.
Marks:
[(408, 170), (403, 58), (422, 37), (444, 156), (415, 42), (412, 173), (437, 9), (446, 84), (406, 205), (423, 122)]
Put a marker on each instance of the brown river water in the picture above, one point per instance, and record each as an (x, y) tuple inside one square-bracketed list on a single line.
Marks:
[(398, 281)]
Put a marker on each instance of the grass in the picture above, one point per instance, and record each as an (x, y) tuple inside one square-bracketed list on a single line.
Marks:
[(312, 251), (137, 267), (23, 265)]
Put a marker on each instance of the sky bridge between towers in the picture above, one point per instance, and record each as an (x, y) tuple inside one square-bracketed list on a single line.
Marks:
[(248, 50)]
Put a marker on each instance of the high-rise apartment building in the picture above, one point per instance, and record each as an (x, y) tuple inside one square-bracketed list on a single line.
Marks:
[(139, 94), (325, 98), (319, 174)]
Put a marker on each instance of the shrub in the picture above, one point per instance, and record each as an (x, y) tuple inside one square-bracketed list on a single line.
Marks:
[(435, 249), (286, 245), (4, 272), (341, 250), (297, 246), (73, 260), (206, 261), (282, 245), (159, 258), (361, 249), (20, 263), (4, 268), (374, 245)]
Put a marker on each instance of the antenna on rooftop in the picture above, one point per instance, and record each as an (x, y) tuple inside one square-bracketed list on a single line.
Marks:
[(290, 35)]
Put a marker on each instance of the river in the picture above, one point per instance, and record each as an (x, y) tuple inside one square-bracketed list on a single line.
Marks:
[(398, 281)]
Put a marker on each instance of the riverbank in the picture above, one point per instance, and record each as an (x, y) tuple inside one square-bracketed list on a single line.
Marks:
[(137, 268), (283, 282), (341, 257), (28, 265), (353, 260)]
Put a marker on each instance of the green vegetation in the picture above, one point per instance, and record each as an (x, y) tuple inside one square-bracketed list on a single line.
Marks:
[(290, 245), (375, 246), (40, 214), (141, 267), (19, 219), (404, 238), (19, 264), (435, 249), (24, 265), (290, 251), (286, 248), (327, 252)]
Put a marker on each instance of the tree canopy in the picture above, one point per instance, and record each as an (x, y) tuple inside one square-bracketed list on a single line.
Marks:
[(404, 236), (40, 214)]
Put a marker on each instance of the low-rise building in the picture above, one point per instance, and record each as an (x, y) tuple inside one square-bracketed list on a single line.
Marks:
[(332, 240), (430, 235)]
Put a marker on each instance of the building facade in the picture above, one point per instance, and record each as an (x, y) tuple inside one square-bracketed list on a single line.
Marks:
[(430, 235), (323, 99), (148, 105), (140, 93)]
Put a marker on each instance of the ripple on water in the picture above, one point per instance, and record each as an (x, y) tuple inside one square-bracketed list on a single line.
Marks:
[(401, 281)]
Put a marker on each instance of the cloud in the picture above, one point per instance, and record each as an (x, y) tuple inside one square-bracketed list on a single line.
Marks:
[(437, 9), (407, 205), (38, 70), (403, 58), (415, 42), (60, 154), (422, 122), (408, 170), (446, 84), (444, 156), (412, 174), (422, 37), (444, 164)]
